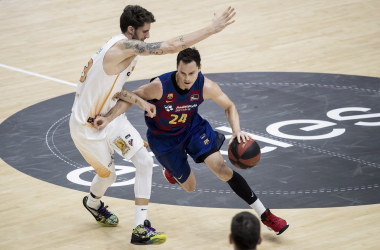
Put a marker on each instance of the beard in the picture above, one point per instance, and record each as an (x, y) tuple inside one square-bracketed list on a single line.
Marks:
[(135, 37)]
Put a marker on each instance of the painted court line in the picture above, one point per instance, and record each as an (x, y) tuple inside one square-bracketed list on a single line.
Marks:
[(38, 75)]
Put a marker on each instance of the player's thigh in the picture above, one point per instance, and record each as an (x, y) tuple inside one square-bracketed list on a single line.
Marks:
[(97, 153), (123, 137), (176, 163), (203, 142), (171, 155)]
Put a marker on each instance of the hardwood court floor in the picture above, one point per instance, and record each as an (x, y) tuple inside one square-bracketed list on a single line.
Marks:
[(56, 38)]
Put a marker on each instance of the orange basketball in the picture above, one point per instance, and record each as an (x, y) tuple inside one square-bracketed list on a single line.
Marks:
[(244, 155)]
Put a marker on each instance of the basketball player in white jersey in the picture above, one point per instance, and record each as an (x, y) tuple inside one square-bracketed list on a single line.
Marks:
[(104, 76)]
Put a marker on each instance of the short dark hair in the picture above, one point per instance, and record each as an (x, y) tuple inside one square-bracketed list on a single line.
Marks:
[(245, 231), (188, 55), (135, 16)]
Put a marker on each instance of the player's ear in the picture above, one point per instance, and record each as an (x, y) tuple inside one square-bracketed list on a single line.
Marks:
[(231, 241), (131, 30), (200, 67)]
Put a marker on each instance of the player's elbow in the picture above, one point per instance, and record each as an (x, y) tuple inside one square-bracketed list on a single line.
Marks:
[(172, 49), (169, 48), (230, 109)]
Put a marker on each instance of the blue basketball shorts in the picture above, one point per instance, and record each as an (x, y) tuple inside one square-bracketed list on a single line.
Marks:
[(171, 151)]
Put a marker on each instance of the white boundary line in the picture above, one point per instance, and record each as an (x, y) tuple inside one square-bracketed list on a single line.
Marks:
[(38, 75)]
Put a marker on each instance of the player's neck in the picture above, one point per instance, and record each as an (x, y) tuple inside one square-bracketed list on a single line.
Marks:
[(129, 36)]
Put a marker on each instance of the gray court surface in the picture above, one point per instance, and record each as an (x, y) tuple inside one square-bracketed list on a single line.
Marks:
[(319, 135)]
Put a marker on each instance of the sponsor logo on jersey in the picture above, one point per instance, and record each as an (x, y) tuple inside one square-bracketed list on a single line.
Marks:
[(194, 97), (169, 97), (168, 108), (127, 136), (203, 136), (130, 142), (185, 107), (100, 50)]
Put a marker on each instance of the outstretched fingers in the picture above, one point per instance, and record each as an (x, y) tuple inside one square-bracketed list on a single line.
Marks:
[(229, 14)]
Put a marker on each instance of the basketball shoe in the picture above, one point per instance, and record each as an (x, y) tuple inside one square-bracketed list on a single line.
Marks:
[(102, 216), (147, 235), (168, 176), (273, 222)]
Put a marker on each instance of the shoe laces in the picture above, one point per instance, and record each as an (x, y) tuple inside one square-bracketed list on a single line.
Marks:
[(105, 212), (150, 229), (272, 219)]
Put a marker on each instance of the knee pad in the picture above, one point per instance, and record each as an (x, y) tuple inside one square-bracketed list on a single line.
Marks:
[(143, 162)]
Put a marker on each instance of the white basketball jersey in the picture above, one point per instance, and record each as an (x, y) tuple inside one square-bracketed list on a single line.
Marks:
[(96, 89)]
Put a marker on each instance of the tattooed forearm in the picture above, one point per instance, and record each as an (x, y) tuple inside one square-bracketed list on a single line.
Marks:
[(182, 40), (140, 47), (124, 93), (129, 97)]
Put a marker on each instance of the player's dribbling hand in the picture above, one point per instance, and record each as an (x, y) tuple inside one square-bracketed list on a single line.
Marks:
[(241, 137), (100, 122), (219, 23)]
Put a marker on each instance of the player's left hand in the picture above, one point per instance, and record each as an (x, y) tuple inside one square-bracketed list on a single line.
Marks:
[(100, 122), (241, 136)]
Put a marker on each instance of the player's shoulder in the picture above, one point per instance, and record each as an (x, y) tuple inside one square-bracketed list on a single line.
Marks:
[(210, 88), (155, 80), (209, 84)]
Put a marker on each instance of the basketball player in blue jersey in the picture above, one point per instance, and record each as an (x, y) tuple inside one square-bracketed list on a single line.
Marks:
[(178, 129)]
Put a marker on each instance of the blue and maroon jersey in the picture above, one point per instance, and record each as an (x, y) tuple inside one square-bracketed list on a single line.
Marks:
[(176, 112)]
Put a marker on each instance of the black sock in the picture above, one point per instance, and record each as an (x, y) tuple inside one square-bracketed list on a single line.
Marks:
[(241, 188)]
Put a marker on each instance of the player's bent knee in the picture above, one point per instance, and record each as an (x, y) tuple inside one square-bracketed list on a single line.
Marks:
[(224, 172), (112, 178), (143, 162), (189, 189), (104, 174), (149, 163), (145, 165)]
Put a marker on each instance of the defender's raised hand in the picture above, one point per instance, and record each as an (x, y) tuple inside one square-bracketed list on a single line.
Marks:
[(219, 23)]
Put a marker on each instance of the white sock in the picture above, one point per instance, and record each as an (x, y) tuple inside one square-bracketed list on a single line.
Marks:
[(93, 203), (258, 207), (140, 214)]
